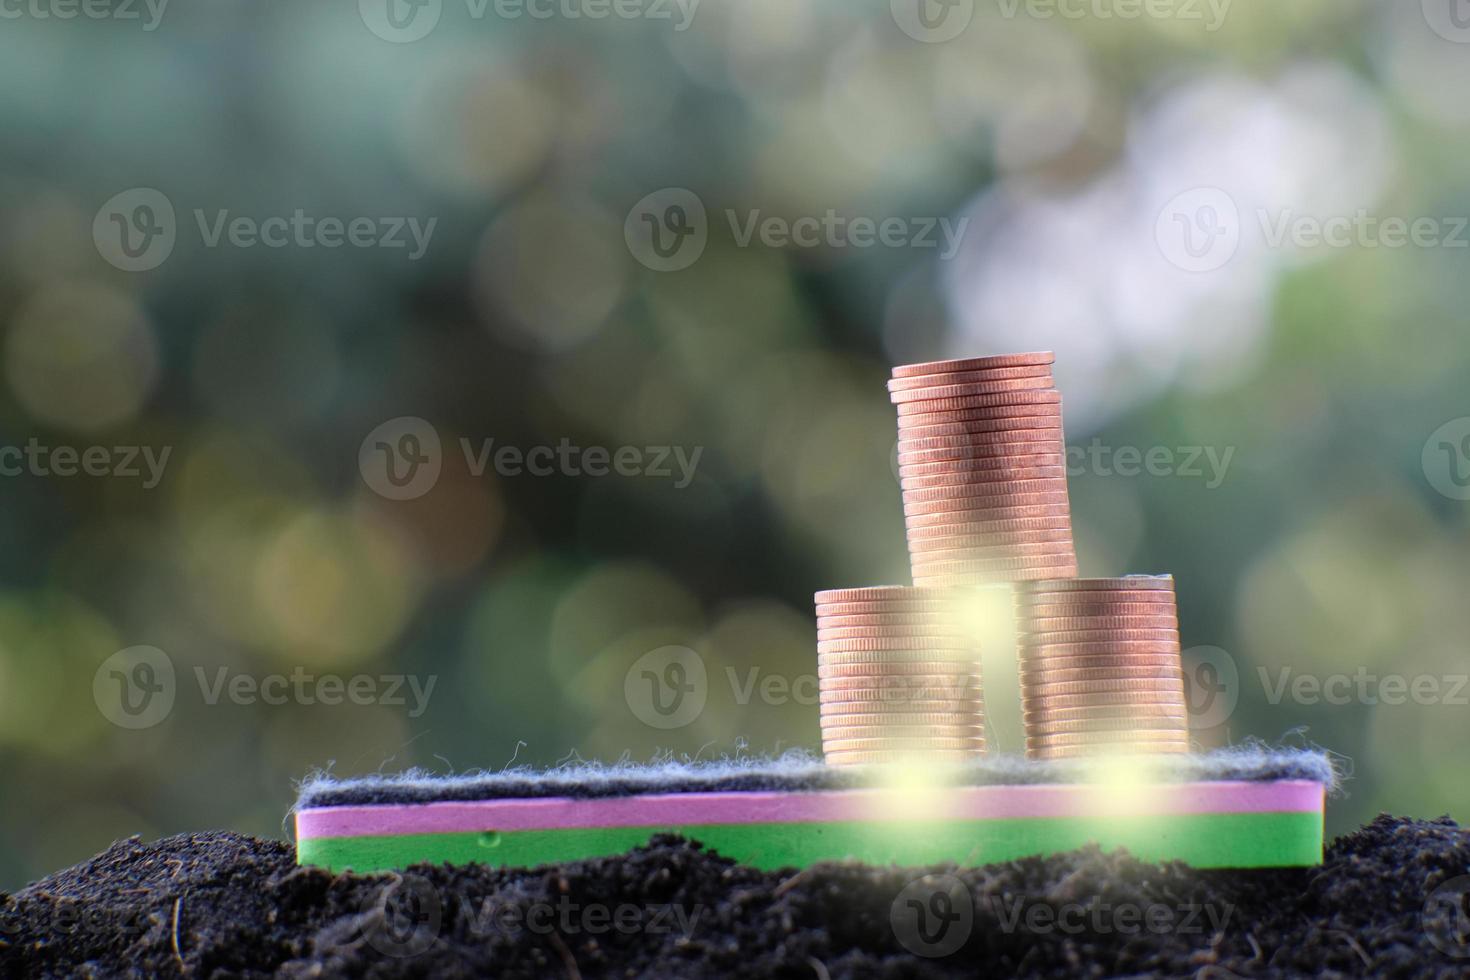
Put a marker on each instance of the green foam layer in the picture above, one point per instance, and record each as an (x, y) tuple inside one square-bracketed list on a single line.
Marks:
[(1208, 840)]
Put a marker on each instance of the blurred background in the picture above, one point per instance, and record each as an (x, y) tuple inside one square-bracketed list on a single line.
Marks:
[(279, 283)]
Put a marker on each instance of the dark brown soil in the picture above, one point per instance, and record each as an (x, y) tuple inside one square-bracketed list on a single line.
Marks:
[(226, 905)]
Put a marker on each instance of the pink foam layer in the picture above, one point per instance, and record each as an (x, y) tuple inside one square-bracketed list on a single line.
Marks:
[(696, 809)]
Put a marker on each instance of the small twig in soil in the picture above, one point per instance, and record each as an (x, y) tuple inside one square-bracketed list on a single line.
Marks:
[(790, 883), (1353, 944), (178, 956), (567, 959), (1256, 947), (819, 968)]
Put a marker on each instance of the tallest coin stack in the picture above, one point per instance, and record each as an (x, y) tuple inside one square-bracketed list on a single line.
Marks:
[(982, 463)]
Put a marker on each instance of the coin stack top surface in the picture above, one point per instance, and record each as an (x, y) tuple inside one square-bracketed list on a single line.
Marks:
[(899, 677), (982, 462), (1100, 667)]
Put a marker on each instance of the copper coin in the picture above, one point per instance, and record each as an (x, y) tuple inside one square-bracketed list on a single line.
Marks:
[(886, 608), (1054, 722), (1161, 602), (1143, 582), (1073, 752), (1150, 680), (947, 549), (997, 361), (961, 719), (1145, 717), (973, 389), (1051, 638), (898, 744), (990, 541), (921, 418), (1000, 494), (894, 694), (974, 510), (1049, 753), (981, 482), (887, 620), (1065, 624), (1102, 693), (999, 438), (834, 734), (917, 432), (970, 655), (1044, 714), (958, 566), (825, 632), (1046, 459), (1035, 680), (875, 701), (1133, 737), (967, 377), (1007, 406), (897, 643), (932, 757), (1032, 647), (1058, 610), (981, 522), (995, 576), (882, 661), (993, 480), (1033, 667), (976, 454), (879, 593), (950, 671), (929, 553)]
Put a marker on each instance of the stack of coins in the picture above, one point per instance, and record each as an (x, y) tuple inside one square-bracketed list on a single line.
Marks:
[(899, 677), (982, 462), (1100, 667)]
